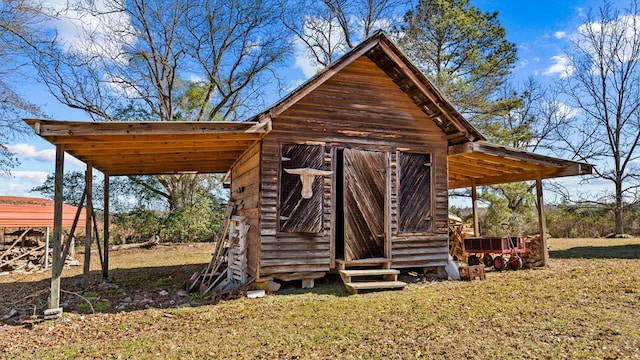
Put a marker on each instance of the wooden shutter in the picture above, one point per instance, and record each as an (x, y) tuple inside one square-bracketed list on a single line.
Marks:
[(298, 215), (415, 193)]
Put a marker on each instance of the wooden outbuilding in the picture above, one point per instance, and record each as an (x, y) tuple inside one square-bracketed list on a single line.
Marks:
[(353, 168)]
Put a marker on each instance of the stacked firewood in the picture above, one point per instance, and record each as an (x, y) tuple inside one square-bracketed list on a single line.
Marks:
[(457, 232), (534, 257)]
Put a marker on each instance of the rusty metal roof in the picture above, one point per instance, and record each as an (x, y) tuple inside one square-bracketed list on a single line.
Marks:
[(18, 211)]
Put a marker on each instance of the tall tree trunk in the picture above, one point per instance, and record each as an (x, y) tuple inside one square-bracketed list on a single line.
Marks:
[(618, 209)]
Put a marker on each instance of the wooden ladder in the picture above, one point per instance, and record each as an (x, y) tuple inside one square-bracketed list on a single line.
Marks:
[(381, 277), (210, 276)]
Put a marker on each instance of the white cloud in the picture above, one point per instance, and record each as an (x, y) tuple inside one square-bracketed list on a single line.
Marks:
[(193, 78), (562, 66), (27, 151), (90, 28), (560, 34), (21, 182), (565, 111), (303, 60), (620, 34), (32, 176)]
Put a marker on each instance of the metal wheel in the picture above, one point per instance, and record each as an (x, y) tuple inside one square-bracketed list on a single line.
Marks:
[(487, 259), (473, 260), (499, 263), (515, 262)]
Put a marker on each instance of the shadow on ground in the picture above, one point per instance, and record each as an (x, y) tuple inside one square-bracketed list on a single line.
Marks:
[(129, 290), (598, 252)]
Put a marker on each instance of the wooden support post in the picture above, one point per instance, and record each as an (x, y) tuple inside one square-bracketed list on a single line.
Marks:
[(88, 184), (105, 263), (54, 310), (542, 223), (474, 206), (46, 250)]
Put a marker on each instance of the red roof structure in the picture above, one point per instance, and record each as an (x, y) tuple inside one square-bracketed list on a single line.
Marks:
[(16, 211)]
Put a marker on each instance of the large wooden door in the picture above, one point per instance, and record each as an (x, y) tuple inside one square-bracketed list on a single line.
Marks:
[(364, 196)]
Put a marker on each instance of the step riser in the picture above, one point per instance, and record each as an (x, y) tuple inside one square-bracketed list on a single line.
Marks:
[(383, 278)]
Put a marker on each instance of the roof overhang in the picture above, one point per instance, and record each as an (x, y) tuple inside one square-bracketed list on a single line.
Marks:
[(481, 163), (146, 148)]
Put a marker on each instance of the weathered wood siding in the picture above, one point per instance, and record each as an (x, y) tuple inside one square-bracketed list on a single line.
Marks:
[(245, 190), (358, 108), (285, 252)]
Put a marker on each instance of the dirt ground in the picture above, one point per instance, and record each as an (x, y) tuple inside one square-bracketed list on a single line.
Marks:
[(140, 279)]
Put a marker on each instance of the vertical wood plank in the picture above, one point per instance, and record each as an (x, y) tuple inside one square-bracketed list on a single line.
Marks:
[(387, 207), (416, 193), (474, 206), (56, 268), (105, 264), (542, 223), (88, 184)]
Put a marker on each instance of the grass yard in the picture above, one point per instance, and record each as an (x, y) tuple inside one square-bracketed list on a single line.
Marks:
[(585, 304)]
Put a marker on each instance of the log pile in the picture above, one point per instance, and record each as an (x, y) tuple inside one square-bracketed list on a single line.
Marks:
[(534, 256), (457, 232)]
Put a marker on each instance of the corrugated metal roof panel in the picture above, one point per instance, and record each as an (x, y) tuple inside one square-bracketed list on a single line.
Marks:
[(16, 211)]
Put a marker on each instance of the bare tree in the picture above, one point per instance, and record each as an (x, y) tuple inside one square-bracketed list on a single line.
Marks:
[(603, 83), (12, 105), (326, 29), (148, 54)]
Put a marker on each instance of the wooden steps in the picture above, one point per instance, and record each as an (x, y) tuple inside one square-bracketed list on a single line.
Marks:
[(373, 285), (380, 278)]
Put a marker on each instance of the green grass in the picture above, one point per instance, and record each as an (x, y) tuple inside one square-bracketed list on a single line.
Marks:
[(579, 307)]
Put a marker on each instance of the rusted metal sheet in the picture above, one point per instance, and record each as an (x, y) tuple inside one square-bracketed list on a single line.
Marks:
[(16, 211), (298, 214), (415, 193), (364, 190)]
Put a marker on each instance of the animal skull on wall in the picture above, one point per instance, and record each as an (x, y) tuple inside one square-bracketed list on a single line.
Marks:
[(306, 176)]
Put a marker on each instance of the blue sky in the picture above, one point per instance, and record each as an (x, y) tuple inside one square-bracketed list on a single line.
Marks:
[(539, 29)]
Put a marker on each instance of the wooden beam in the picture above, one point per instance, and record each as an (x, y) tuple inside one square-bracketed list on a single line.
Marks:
[(474, 206), (105, 264), (88, 184), (542, 223), (54, 310), (80, 128)]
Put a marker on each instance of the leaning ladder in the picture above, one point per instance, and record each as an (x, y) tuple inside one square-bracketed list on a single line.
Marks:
[(212, 274)]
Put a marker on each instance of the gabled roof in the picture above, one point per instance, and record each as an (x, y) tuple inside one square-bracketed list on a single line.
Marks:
[(380, 49)]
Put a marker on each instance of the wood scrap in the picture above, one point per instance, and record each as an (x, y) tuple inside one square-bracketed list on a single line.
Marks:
[(145, 245), (27, 260)]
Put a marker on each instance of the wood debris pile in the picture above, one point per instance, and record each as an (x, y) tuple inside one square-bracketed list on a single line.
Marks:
[(26, 260), (534, 257)]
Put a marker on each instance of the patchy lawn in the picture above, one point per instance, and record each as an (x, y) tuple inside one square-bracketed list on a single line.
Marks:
[(586, 304)]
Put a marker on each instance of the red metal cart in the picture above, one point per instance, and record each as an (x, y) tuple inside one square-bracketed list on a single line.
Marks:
[(513, 246)]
